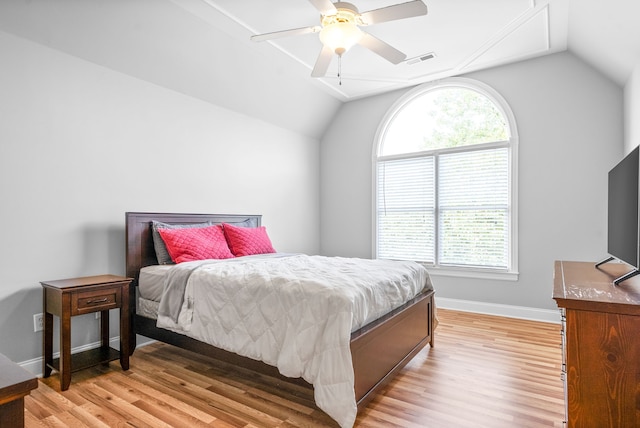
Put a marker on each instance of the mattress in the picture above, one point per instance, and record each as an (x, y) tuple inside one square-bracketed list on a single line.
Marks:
[(150, 285), (147, 308), (151, 282)]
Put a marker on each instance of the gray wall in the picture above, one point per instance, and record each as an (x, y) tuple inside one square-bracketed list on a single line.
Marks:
[(81, 144), (570, 123), (632, 111)]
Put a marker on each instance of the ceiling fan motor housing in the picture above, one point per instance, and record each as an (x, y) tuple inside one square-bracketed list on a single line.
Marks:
[(345, 13)]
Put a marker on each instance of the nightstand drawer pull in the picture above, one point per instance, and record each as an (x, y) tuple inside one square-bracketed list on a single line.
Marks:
[(95, 302), (92, 302)]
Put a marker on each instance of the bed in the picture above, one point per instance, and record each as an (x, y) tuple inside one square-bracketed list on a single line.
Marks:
[(379, 349)]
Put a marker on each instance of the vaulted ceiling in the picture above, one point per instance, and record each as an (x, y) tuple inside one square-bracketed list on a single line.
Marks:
[(202, 47), (456, 37)]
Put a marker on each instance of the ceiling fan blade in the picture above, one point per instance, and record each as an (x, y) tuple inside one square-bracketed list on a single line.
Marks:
[(392, 13), (383, 49), (325, 7), (285, 33), (322, 63)]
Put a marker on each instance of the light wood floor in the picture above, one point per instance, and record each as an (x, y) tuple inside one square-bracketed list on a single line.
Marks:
[(484, 371)]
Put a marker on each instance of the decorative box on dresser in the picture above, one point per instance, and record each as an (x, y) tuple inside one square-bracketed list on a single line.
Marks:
[(601, 344)]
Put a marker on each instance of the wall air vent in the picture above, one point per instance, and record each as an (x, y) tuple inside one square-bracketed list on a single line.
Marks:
[(420, 58)]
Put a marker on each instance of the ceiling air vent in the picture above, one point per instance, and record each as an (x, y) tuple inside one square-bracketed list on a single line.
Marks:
[(420, 58)]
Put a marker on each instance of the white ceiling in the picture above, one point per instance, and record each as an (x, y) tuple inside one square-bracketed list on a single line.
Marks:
[(201, 47), (606, 34), (464, 35)]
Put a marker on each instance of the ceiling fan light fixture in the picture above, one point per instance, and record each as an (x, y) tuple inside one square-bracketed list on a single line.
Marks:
[(340, 36)]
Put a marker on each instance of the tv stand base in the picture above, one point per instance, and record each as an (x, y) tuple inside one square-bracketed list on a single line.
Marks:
[(624, 277)]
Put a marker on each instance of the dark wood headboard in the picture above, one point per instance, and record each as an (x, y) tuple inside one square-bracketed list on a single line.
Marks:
[(140, 251)]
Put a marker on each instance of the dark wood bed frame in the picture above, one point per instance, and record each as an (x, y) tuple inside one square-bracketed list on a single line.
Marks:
[(379, 350)]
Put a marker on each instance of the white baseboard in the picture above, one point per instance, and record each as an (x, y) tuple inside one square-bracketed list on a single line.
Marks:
[(521, 312), (35, 365), (544, 315)]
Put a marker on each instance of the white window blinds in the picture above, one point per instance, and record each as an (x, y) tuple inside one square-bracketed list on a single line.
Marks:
[(406, 209), (446, 209), (473, 208)]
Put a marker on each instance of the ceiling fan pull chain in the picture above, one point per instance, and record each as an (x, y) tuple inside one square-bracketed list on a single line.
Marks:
[(340, 70)]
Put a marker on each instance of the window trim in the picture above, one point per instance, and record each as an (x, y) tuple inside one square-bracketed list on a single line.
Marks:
[(484, 89)]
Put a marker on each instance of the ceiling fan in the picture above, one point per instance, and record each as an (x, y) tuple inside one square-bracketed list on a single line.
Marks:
[(339, 30)]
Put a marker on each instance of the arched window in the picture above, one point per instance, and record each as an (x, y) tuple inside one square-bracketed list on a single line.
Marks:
[(445, 181)]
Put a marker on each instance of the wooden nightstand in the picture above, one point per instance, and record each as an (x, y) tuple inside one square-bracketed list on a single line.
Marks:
[(77, 296)]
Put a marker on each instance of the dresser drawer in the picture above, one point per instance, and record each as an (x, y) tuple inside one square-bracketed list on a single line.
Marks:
[(84, 302)]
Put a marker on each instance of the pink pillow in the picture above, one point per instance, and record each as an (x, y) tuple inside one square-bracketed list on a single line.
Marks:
[(245, 241), (185, 245)]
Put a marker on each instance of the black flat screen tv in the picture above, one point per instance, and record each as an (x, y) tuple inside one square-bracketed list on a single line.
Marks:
[(623, 242)]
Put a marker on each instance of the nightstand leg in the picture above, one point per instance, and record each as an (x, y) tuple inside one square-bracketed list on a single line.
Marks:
[(65, 345), (104, 328), (125, 329), (47, 342)]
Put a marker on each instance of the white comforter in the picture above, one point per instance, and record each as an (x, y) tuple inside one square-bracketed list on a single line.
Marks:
[(296, 313)]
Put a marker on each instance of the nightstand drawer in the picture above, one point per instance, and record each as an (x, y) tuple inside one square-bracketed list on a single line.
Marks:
[(93, 301)]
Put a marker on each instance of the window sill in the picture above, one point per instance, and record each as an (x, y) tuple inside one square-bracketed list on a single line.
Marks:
[(472, 273)]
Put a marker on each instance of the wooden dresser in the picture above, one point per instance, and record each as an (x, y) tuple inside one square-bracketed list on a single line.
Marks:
[(15, 384), (601, 344)]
